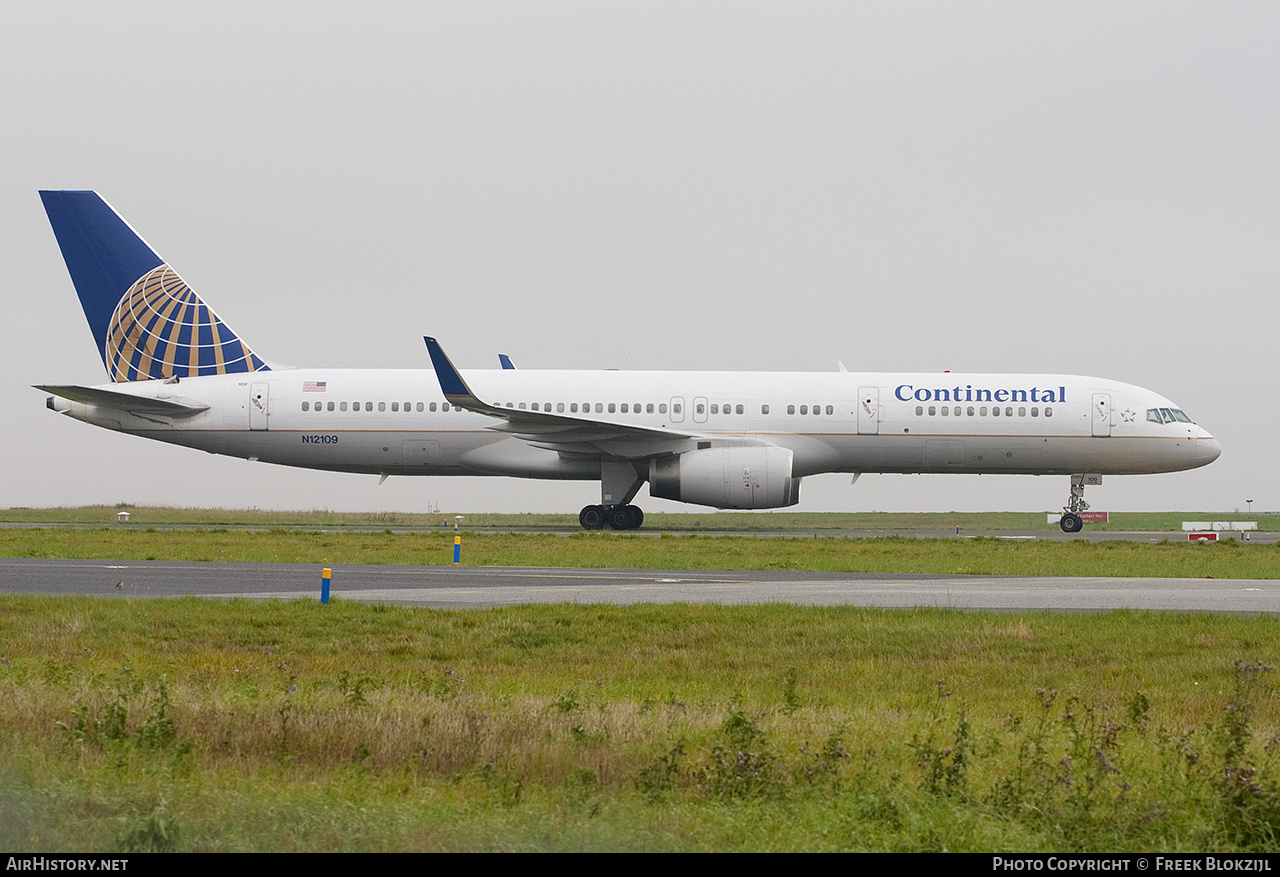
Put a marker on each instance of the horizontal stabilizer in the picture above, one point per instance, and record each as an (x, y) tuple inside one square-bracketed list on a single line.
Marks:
[(124, 401)]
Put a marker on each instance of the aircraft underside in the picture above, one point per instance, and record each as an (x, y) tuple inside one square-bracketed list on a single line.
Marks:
[(435, 453)]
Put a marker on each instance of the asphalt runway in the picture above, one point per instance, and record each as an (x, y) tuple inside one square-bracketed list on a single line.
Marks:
[(468, 587)]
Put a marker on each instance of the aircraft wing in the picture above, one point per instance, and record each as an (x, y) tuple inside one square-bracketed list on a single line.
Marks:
[(569, 434), (133, 404)]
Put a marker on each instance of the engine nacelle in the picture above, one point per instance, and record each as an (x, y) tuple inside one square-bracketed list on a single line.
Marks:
[(727, 478)]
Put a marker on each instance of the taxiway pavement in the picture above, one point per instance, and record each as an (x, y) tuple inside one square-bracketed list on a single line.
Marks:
[(459, 587)]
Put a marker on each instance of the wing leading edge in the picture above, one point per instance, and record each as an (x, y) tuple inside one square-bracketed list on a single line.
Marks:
[(573, 435)]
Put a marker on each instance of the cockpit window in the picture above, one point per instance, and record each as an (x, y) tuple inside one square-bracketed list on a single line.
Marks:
[(1168, 415)]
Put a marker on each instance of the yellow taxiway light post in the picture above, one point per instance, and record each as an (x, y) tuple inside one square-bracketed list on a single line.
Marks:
[(457, 540)]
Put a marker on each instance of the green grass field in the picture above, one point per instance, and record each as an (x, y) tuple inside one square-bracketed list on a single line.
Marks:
[(985, 556), (188, 725), (691, 522), (234, 725)]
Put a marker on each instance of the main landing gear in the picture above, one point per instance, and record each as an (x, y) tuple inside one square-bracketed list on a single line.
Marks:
[(1071, 521), (619, 483), (618, 517)]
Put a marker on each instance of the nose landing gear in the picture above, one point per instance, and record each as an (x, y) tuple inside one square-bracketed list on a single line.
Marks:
[(1071, 521)]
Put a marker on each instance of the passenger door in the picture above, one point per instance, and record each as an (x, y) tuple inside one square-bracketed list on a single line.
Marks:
[(259, 402), (869, 411), (1101, 414)]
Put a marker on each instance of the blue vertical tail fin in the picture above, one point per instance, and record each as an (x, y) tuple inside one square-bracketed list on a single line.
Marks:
[(146, 321)]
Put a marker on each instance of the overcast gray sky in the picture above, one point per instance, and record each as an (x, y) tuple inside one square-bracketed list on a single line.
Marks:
[(1073, 187)]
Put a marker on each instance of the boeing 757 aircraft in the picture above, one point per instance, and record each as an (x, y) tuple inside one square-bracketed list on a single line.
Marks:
[(731, 440)]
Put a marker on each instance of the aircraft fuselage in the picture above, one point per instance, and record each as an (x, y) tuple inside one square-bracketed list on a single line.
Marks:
[(397, 422)]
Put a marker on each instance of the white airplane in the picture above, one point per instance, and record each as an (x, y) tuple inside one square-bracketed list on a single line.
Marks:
[(731, 440)]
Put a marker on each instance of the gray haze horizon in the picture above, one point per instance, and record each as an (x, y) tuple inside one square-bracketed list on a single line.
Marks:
[(1083, 188)]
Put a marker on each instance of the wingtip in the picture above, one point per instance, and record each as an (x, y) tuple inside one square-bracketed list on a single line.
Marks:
[(451, 382)]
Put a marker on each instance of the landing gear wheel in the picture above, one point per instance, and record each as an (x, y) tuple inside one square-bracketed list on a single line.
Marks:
[(620, 517), (637, 517), (1071, 523), (592, 517)]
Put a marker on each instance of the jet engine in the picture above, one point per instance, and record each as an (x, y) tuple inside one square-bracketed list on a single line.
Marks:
[(727, 478)]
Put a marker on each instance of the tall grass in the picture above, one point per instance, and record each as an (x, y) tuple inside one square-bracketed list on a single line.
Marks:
[(200, 725)]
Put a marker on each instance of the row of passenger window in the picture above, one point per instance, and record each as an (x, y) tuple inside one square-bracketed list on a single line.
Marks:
[(600, 407), (574, 408), (981, 411), (379, 406), (699, 408)]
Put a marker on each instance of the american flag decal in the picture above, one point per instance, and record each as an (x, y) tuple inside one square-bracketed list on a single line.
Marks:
[(313, 386)]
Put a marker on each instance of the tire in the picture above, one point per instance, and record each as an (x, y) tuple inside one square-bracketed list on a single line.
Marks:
[(1071, 523), (620, 517), (591, 517)]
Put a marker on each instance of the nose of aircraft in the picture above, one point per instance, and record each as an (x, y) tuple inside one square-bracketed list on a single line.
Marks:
[(1207, 448)]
